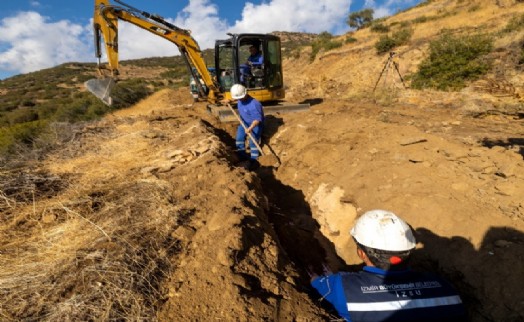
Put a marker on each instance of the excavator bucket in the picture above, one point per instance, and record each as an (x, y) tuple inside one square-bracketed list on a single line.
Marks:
[(101, 88)]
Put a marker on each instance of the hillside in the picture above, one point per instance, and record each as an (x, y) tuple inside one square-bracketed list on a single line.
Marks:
[(144, 215)]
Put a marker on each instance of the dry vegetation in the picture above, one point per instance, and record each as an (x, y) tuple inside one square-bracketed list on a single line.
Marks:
[(97, 254)]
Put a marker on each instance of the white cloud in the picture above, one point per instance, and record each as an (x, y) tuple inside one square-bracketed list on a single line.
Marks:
[(388, 7), (29, 41), (199, 16), (380, 12), (202, 18), (134, 42), (34, 43), (35, 3), (300, 15)]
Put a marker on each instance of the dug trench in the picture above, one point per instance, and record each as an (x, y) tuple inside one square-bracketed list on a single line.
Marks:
[(436, 167), (288, 218)]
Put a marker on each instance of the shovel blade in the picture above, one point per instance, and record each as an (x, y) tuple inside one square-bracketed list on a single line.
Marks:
[(101, 88)]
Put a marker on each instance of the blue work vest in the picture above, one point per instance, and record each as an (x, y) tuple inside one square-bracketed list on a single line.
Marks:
[(250, 110), (376, 295)]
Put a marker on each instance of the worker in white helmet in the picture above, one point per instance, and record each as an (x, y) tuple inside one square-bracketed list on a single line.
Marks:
[(252, 116), (386, 290)]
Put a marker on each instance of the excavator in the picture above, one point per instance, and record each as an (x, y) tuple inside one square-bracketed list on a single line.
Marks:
[(213, 84)]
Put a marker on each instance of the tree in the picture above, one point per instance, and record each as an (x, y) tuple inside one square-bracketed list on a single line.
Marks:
[(360, 19)]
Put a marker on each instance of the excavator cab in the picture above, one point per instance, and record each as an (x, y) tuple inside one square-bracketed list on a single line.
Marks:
[(252, 60)]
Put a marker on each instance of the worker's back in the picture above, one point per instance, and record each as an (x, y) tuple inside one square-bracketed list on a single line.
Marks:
[(403, 296)]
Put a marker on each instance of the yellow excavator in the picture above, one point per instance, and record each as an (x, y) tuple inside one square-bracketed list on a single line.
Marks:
[(264, 82)]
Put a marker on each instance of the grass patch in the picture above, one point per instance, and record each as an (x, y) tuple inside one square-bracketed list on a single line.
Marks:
[(379, 27), (514, 24), (350, 40)]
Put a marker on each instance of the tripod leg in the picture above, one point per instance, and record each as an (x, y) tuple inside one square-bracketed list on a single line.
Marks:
[(399, 75), (382, 72)]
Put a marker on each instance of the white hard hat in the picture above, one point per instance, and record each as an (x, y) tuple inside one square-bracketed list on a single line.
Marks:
[(381, 229), (238, 91)]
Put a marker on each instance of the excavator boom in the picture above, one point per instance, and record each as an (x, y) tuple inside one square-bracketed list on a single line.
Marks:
[(105, 24)]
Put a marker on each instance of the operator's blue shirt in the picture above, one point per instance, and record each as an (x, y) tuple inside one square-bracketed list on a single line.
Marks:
[(377, 295), (257, 59), (250, 109)]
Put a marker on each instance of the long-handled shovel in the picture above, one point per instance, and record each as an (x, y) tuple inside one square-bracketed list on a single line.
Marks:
[(265, 159)]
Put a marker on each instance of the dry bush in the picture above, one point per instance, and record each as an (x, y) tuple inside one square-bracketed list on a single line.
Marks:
[(99, 256)]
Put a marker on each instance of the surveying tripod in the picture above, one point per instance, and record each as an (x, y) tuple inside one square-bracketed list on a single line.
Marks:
[(387, 65)]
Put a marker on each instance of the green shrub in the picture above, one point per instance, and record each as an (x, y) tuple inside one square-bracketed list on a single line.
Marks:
[(420, 19), (22, 115), (24, 133), (28, 103), (129, 92), (474, 8), (350, 40), (324, 42), (360, 19), (71, 112), (175, 72), (47, 110), (387, 43), (452, 61), (403, 36)]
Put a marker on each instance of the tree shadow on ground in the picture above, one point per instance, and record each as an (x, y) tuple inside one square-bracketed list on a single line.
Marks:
[(489, 279), (515, 143)]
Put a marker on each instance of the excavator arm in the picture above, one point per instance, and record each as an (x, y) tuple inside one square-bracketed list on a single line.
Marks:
[(105, 24)]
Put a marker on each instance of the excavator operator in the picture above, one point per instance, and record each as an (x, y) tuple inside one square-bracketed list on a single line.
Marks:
[(252, 67)]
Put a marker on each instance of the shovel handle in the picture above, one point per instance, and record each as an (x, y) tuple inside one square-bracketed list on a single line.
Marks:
[(245, 129)]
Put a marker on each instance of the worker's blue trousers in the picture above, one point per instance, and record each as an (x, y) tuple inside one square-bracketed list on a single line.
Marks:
[(241, 142)]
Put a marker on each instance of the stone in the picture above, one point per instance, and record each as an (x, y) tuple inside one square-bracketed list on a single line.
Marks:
[(410, 141)]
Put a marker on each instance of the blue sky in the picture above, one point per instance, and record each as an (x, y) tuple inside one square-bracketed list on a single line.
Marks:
[(37, 34)]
